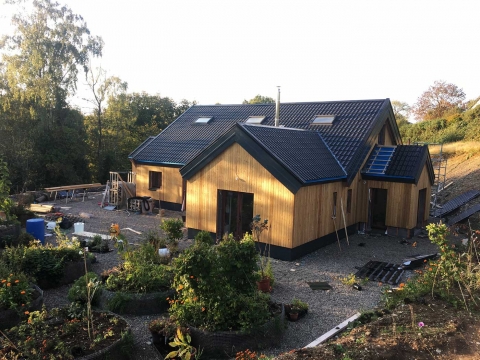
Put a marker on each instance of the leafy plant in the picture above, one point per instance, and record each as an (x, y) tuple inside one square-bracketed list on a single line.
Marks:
[(119, 301), (216, 287), (15, 291), (154, 239), (299, 305), (204, 237), (351, 279), (173, 229), (141, 271), (78, 291), (182, 342), (258, 227), (163, 326)]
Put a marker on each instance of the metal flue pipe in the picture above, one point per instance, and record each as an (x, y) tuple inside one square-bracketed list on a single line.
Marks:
[(277, 108)]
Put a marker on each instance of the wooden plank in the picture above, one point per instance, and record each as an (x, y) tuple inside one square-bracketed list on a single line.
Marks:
[(44, 209), (73, 187), (337, 329)]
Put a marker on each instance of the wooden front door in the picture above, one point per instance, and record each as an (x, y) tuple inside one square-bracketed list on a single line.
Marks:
[(234, 213)]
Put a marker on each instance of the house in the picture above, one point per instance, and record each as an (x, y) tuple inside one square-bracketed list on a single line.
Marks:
[(327, 169)]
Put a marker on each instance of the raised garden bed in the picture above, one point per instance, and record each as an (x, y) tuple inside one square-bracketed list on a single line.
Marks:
[(112, 337), (228, 343), (71, 271), (135, 304), (10, 317)]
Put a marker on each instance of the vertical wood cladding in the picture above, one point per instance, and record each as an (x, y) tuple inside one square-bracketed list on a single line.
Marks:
[(171, 189), (236, 170)]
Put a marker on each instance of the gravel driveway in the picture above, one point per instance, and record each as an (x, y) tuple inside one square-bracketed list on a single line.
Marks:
[(326, 308)]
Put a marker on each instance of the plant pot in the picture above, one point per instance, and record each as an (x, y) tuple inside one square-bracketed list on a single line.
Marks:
[(293, 316), (264, 285)]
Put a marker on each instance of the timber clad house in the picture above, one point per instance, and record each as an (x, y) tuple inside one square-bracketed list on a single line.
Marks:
[(328, 167)]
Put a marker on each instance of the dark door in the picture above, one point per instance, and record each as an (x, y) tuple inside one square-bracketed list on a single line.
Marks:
[(378, 204), (422, 199), (234, 214)]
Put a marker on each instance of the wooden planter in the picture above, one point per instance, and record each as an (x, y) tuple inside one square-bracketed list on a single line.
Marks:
[(10, 318), (221, 344), (137, 304), (264, 285)]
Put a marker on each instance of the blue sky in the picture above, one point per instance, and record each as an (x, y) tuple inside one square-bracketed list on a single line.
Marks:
[(228, 51)]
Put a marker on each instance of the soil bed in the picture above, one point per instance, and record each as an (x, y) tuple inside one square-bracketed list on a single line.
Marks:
[(436, 331)]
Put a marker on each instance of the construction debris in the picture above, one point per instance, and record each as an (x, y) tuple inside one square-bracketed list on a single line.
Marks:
[(384, 272), (134, 231), (43, 209), (456, 202), (467, 213), (416, 261)]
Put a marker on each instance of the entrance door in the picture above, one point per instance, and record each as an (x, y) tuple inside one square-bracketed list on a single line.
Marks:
[(422, 199), (378, 208), (234, 213)]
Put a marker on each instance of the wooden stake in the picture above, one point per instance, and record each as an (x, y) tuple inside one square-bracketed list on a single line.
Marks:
[(336, 232), (344, 221)]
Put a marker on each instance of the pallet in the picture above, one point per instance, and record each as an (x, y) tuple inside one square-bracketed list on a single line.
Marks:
[(388, 273), (467, 213)]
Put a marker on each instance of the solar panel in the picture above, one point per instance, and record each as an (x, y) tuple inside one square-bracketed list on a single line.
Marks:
[(380, 159)]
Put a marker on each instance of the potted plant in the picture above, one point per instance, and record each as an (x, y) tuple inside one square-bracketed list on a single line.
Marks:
[(258, 226), (296, 309)]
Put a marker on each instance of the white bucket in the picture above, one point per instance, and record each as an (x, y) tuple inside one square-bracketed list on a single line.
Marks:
[(51, 225), (163, 252), (79, 227)]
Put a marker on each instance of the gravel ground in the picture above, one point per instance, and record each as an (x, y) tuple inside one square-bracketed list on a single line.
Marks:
[(326, 308)]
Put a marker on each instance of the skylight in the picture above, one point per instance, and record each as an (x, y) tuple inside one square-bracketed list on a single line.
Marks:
[(379, 160), (255, 120), (323, 120), (203, 120)]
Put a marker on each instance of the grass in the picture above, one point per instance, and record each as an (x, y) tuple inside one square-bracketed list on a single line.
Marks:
[(468, 148)]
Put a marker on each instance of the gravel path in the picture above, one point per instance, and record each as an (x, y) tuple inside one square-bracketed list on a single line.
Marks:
[(326, 308)]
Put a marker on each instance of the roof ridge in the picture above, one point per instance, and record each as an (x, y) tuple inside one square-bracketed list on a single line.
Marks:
[(331, 152), (292, 103)]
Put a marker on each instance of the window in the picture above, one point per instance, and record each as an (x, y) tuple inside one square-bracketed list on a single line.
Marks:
[(255, 120), (154, 180), (323, 120), (349, 201), (334, 210), (203, 120)]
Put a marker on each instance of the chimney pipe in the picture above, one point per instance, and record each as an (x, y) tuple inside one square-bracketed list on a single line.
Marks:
[(277, 108)]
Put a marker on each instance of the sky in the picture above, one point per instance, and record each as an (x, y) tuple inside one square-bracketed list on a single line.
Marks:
[(227, 51)]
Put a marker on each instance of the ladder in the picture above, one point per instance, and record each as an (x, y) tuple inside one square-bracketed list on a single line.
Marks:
[(117, 192)]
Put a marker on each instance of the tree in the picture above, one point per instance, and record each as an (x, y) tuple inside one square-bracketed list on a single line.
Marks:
[(439, 99), (39, 70), (401, 111), (259, 99), (102, 87)]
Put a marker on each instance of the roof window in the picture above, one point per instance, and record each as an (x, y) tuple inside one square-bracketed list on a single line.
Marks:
[(323, 120), (255, 120), (203, 120)]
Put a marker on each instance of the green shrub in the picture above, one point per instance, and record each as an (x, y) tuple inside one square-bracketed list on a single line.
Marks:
[(78, 291), (172, 229), (43, 263), (204, 237), (141, 271), (153, 238), (216, 287), (23, 240), (15, 291), (118, 302)]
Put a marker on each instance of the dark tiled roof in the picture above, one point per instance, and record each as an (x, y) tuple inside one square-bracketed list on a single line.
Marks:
[(141, 147), (304, 153), (405, 165), (347, 137)]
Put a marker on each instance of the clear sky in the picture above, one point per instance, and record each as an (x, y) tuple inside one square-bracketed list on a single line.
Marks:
[(227, 51)]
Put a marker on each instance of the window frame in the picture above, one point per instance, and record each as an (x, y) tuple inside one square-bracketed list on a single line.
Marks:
[(349, 201), (155, 180)]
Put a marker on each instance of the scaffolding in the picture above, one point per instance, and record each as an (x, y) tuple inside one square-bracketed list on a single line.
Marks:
[(119, 189), (439, 164)]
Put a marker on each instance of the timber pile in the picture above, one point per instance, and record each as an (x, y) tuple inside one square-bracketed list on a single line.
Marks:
[(43, 209)]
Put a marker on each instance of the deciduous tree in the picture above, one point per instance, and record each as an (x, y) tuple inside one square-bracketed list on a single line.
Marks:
[(259, 99), (440, 98)]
